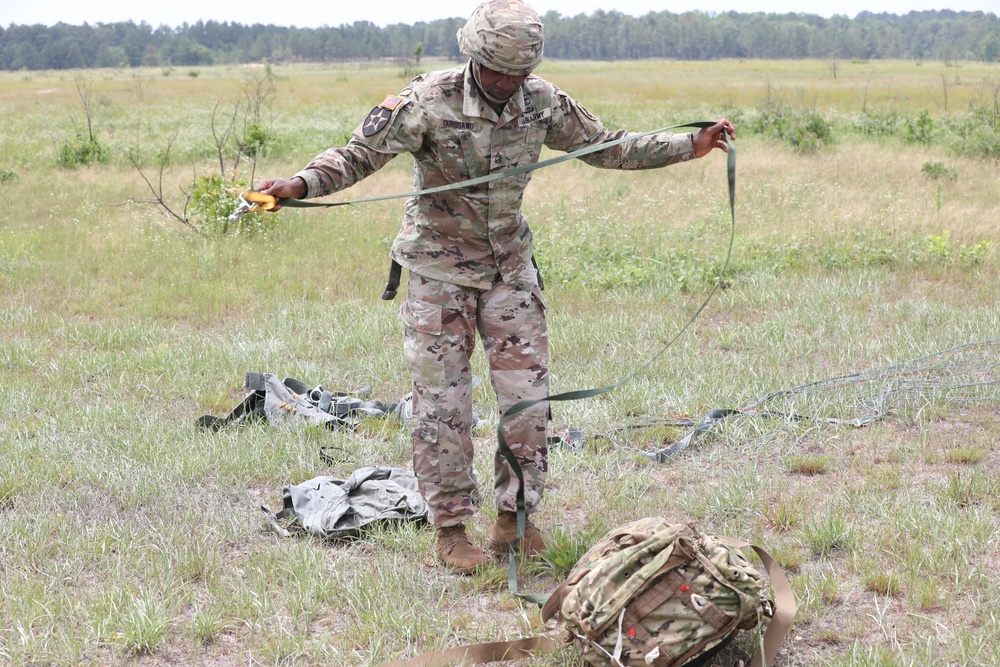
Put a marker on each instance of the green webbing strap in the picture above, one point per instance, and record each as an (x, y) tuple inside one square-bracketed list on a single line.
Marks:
[(521, 406), (472, 182)]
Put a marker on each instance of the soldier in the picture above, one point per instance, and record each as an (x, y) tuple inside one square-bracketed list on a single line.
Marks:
[(469, 253)]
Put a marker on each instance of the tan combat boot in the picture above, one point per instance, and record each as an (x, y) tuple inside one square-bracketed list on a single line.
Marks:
[(505, 532), (457, 552)]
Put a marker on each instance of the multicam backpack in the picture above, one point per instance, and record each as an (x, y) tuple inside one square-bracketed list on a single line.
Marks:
[(656, 594), (650, 594)]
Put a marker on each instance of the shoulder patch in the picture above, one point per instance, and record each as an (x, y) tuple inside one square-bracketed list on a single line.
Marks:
[(376, 120)]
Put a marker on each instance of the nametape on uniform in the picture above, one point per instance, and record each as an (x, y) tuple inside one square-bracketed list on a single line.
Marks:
[(457, 124), (531, 118)]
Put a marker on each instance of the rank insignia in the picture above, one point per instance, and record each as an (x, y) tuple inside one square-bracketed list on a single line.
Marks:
[(376, 120)]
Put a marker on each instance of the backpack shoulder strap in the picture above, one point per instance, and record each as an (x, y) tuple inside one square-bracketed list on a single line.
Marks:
[(784, 604)]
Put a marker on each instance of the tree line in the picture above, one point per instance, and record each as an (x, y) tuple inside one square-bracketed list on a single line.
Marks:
[(939, 35)]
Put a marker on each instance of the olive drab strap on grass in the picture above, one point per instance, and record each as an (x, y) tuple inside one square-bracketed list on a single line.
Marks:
[(521, 406), (252, 201), (258, 201)]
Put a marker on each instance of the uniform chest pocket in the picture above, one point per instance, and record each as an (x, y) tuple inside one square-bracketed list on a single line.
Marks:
[(519, 147), (455, 154), (473, 160)]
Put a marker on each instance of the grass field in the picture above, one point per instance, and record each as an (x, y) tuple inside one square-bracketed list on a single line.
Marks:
[(131, 537)]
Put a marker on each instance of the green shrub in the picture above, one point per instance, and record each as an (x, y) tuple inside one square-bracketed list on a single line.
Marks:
[(939, 247), (256, 139), (81, 151), (937, 171), (919, 130), (978, 131), (806, 130), (213, 200), (880, 124), (7, 175), (974, 254), (602, 260)]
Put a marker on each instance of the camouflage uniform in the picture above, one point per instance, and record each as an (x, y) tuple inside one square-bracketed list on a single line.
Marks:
[(469, 256)]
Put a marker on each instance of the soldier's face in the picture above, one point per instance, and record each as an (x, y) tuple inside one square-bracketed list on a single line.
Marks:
[(497, 85)]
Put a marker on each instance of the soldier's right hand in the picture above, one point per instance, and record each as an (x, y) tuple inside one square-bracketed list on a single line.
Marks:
[(283, 189)]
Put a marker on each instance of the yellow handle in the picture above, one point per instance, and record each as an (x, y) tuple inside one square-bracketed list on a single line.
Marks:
[(261, 202)]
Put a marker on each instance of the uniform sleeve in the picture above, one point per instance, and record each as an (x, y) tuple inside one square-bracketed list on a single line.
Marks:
[(371, 147), (573, 127)]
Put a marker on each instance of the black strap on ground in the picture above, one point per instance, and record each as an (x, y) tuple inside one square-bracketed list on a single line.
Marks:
[(521, 406)]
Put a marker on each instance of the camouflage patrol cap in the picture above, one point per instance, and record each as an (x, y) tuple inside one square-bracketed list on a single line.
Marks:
[(505, 36)]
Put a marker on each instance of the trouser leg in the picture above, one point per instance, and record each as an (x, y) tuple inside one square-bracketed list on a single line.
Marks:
[(512, 325), (439, 337)]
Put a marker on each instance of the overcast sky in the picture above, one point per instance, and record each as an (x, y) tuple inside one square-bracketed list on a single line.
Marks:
[(315, 13)]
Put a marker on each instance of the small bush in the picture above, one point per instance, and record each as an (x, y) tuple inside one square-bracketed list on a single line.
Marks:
[(974, 254), (806, 130), (256, 140), (880, 124), (968, 454), (145, 625), (883, 582), (786, 513), (939, 247), (937, 171), (81, 151), (979, 132), (7, 175), (863, 250), (206, 626), (919, 130), (9, 489), (213, 200)]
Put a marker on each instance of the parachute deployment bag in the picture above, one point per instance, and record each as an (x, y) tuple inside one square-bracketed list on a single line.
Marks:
[(656, 594)]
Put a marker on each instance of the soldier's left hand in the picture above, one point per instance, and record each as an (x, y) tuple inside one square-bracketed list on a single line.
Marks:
[(714, 136)]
